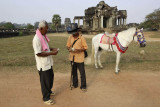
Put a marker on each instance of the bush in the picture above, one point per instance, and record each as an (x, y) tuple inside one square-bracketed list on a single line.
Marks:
[(21, 33)]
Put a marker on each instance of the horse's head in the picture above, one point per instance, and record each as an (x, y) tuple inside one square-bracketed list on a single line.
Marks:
[(140, 37)]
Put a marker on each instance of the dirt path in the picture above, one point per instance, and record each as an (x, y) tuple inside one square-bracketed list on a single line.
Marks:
[(105, 89)]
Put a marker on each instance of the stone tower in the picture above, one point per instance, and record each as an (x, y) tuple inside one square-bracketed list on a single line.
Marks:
[(67, 22)]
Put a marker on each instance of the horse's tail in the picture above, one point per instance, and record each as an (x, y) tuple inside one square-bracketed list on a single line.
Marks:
[(92, 55)]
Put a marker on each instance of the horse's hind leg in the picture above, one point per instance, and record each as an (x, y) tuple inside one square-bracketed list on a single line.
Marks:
[(99, 61), (95, 57), (117, 62)]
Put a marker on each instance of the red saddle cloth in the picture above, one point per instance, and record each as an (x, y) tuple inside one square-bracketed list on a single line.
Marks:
[(107, 40)]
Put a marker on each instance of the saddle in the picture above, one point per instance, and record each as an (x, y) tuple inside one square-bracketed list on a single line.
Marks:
[(107, 39)]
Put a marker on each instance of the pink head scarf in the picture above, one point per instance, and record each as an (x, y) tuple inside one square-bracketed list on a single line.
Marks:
[(44, 45)]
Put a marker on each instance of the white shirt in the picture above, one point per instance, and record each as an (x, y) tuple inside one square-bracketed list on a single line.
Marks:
[(41, 62)]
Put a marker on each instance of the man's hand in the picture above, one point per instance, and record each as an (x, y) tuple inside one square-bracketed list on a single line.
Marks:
[(75, 50), (45, 54), (54, 51), (69, 49)]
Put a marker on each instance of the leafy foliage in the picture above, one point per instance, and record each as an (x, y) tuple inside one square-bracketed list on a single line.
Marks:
[(56, 21), (30, 26), (7, 25), (152, 20)]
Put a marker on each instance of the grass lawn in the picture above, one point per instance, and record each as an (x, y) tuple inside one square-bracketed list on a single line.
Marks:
[(18, 52), (153, 34)]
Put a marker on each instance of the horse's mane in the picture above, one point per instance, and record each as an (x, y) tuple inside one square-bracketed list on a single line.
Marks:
[(128, 32)]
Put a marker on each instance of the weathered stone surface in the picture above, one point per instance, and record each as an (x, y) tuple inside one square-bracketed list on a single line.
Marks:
[(103, 16)]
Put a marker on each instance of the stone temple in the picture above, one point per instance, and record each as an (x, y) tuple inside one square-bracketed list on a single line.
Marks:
[(102, 17)]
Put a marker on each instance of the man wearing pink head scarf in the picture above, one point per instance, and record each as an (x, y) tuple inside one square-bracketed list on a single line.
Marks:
[(44, 62)]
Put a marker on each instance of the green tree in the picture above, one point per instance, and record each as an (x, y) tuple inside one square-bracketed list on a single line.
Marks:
[(152, 20), (8, 25), (56, 22), (30, 26)]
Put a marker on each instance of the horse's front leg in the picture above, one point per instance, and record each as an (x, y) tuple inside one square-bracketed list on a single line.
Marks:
[(117, 62), (99, 57)]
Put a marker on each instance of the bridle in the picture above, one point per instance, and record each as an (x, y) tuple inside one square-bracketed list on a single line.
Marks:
[(136, 34)]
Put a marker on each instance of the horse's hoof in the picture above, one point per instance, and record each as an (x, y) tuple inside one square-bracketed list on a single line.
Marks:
[(116, 73), (101, 67), (119, 70), (96, 67)]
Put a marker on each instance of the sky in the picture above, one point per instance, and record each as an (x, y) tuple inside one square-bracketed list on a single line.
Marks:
[(31, 11)]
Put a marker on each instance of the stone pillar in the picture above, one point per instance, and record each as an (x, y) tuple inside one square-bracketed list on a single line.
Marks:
[(94, 23), (73, 20), (120, 21), (110, 22), (115, 23), (78, 22), (124, 21), (91, 22), (101, 21), (84, 23)]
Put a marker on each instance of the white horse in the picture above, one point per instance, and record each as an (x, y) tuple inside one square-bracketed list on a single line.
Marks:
[(122, 40)]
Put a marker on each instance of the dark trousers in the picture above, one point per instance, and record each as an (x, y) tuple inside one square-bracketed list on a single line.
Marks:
[(46, 81), (80, 66)]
